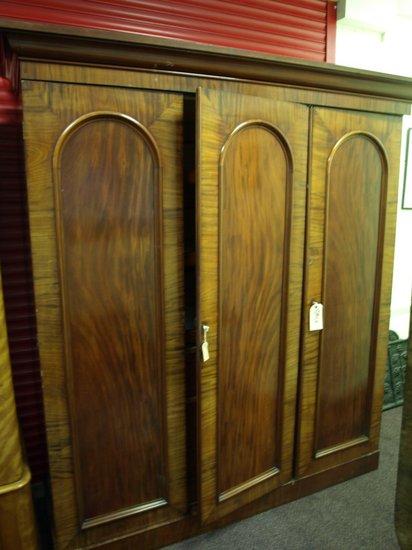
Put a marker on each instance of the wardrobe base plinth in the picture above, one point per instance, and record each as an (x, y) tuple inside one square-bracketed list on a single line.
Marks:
[(189, 527)]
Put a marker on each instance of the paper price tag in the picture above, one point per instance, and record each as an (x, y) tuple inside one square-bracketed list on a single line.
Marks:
[(205, 352), (205, 344), (316, 316)]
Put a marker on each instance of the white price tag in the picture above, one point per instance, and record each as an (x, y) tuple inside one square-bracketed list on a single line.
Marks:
[(316, 316), (205, 352), (205, 344)]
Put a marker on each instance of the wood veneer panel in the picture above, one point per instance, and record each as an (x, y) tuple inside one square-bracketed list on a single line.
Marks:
[(105, 197), (255, 176), (356, 185), (37, 70), (108, 179), (354, 162), (11, 457), (251, 198)]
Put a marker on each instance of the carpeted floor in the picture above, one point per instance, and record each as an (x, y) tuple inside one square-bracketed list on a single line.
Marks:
[(355, 515)]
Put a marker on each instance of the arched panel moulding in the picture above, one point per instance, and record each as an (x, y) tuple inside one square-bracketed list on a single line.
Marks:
[(109, 232), (255, 180)]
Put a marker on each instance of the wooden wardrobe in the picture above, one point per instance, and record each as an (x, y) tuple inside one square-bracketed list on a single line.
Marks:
[(188, 206)]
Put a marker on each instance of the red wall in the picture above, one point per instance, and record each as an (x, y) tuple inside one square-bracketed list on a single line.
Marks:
[(296, 28)]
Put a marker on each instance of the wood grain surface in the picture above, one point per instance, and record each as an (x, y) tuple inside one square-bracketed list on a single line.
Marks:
[(107, 173), (17, 521), (115, 76), (250, 208), (353, 173), (254, 210), (11, 458), (18, 525), (105, 193), (356, 187), (147, 52)]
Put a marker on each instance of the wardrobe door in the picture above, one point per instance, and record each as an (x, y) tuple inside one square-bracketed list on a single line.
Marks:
[(251, 201), (354, 160), (105, 199)]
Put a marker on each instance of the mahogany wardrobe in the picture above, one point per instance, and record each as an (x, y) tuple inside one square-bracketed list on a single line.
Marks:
[(212, 236)]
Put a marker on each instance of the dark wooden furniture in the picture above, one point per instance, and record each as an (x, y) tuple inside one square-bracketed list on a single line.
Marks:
[(175, 186)]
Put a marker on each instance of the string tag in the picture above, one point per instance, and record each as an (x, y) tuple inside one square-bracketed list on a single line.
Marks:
[(316, 316), (205, 344)]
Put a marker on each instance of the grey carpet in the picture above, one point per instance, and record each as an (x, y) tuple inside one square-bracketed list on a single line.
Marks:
[(354, 515)]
